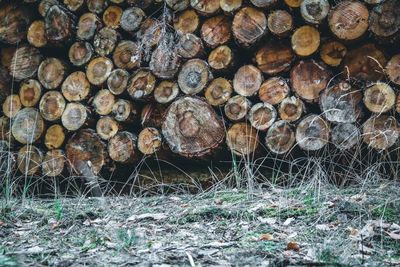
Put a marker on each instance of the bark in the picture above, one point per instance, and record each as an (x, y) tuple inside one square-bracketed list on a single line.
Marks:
[(249, 25), (216, 31), (96, 6), (186, 22), (28, 126), (74, 116), (218, 92), (122, 148), (132, 18), (76, 87), (384, 21), (341, 103), (124, 111), (379, 98), (236, 108), (262, 115), (230, 6), (380, 132), (149, 141), (274, 57), (141, 84), (127, 55), (280, 137), (52, 72), (194, 76), (314, 11), (98, 70), (332, 53), (25, 62), (88, 25), (103, 102), (14, 22), (54, 137), (190, 46), (312, 133), (192, 128), (107, 127), (393, 69), (53, 163), (52, 106), (309, 78), (112, 17), (247, 80), (305, 41), (29, 160), (242, 139), (177, 5), (60, 25), (280, 23), (80, 53), (205, 7), (152, 115), (37, 34), (166, 92), (11, 105), (105, 41), (274, 90), (117, 82), (291, 109), (346, 136), (221, 58)]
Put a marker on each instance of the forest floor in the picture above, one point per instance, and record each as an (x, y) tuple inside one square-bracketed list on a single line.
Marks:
[(312, 224)]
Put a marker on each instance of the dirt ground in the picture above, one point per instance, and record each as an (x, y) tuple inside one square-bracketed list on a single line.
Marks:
[(312, 224)]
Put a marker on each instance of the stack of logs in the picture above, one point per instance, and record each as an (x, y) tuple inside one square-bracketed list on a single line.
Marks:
[(88, 83)]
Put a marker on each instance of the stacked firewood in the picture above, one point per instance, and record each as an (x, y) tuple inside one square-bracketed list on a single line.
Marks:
[(88, 83)]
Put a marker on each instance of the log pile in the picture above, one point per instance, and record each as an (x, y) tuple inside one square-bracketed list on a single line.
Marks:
[(87, 84)]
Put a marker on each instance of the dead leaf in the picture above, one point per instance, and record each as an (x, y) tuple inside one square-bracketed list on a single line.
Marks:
[(265, 237), (293, 246)]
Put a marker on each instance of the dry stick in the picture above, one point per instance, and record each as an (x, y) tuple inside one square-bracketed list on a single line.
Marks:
[(96, 6), (305, 41), (205, 7), (74, 5), (98, 70), (293, 3), (59, 24), (177, 5), (112, 16), (105, 41), (264, 3), (230, 6), (132, 18)]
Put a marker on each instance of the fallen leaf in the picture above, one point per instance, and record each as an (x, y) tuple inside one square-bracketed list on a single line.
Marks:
[(265, 237), (293, 246), (153, 216), (394, 235)]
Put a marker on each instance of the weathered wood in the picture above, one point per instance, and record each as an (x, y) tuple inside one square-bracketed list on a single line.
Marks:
[(380, 132), (74, 5), (149, 33), (312, 133), (29, 160), (141, 84), (76, 87), (107, 127), (393, 69), (341, 103), (249, 25), (5, 84), (96, 6), (264, 3), (205, 7), (5, 130), (218, 92), (274, 90), (305, 41), (59, 24), (314, 11), (149, 141), (74, 116), (11, 105), (194, 76), (25, 62), (384, 21), (44, 6), (274, 57), (186, 22), (53, 163), (28, 126), (112, 16), (14, 22), (88, 25), (236, 108), (152, 115), (166, 92), (118, 81), (80, 53), (141, 3), (177, 5), (124, 111), (122, 148), (230, 6), (348, 20), (216, 31), (6, 55), (293, 3), (280, 23), (262, 115), (52, 72), (221, 58), (242, 139), (132, 18), (103, 102), (105, 41), (280, 137), (98, 70), (54, 137), (165, 61), (127, 55), (291, 109), (247, 80), (37, 34), (192, 128), (52, 105), (190, 46), (332, 53), (345, 136), (379, 98), (309, 78)]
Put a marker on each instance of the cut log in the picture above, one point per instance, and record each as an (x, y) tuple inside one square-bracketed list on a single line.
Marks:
[(205, 7), (37, 34), (141, 84), (364, 63), (380, 132), (105, 41), (96, 6), (177, 5), (152, 115), (393, 69), (28, 126), (194, 76), (103, 102), (84, 151), (332, 53), (379, 98), (53, 163), (192, 128), (51, 73), (280, 23), (6, 54), (107, 127), (29, 160), (11, 105), (264, 3), (186, 22), (14, 22), (124, 111), (74, 116), (242, 139), (274, 57), (74, 5), (293, 3), (165, 61), (118, 81), (384, 21), (25, 62), (44, 6), (76, 87), (127, 55), (314, 11), (221, 58), (230, 6), (143, 4), (149, 141), (122, 148), (132, 18), (305, 41), (98, 70), (345, 136), (216, 31), (348, 20), (236, 108), (52, 105), (218, 92), (341, 103), (80, 53), (149, 33), (291, 109), (54, 137), (274, 90), (280, 137), (59, 24), (5, 130), (262, 115), (249, 25), (88, 25), (30, 92), (166, 92), (112, 17), (247, 80), (309, 78), (190, 46), (312, 133)]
